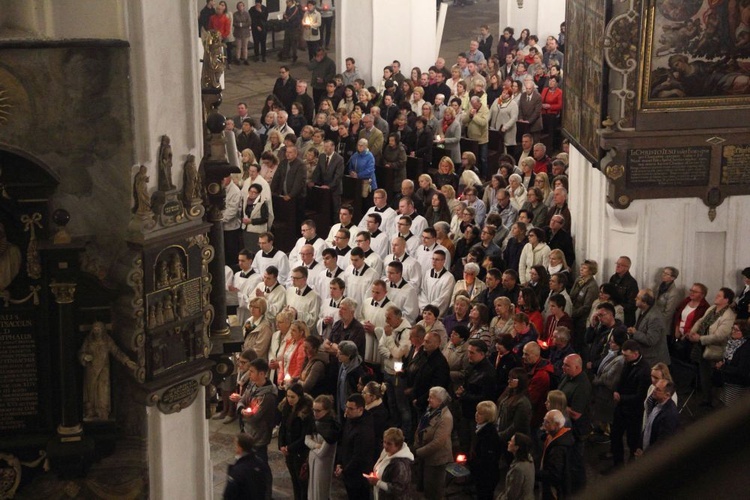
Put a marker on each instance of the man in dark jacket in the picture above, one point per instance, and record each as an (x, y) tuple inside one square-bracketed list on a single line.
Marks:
[(285, 88), (205, 15), (323, 70), (248, 138), (289, 182), (555, 466), (629, 396), (246, 479), (602, 327), (329, 174), (293, 18), (258, 410), (358, 435), (479, 385), (662, 416), (559, 239), (627, 286), (494, 290), (431, 369)]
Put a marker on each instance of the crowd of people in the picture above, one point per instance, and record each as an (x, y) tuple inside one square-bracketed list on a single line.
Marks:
[(453, 322)]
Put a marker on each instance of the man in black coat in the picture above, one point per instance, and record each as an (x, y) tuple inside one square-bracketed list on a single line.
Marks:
[(662, 416), (246, 479), (439, 87), (629, 396), (494, 290), (555, 466), (479, 385), (248, 139), (289, 182), (323, 70), (205, 15), (303, 98), (627, 286), (358, 435), (431, 370), (285, 88), (559, 238), (329, 173)]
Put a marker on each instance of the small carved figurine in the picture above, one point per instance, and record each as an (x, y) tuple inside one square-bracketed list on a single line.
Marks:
[(151, 316), (165, 165), (94, 356), (162, 279), (167, 309), (176, 271), (141, 199), (192, 181), (158, 314), (182, 305)]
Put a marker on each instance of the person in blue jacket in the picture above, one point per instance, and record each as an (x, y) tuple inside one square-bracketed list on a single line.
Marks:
[(362, 166)]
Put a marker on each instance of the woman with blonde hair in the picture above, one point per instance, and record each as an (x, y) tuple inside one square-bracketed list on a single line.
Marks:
[(257, 329), (274, 144), (558, 264), (527, 168), (432, 121), (292, 354), (373, 393), (660, 371), (584, 292), (453, 204), (391, 476), (541, 180), (485, 451), (416, 100), (502, 323)]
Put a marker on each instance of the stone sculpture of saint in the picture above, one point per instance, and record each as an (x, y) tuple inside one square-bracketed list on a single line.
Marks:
[(141, 199), (165, 165), (163, 279), (158, 314), (94, 356), (168, 309)]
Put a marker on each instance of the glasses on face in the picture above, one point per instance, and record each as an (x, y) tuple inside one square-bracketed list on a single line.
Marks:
[(296, 277)]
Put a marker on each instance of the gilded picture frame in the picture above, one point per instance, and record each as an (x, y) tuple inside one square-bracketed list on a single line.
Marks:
[(695, 54)]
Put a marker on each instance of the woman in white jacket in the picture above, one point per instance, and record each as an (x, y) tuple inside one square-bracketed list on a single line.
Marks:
[(535, 252)]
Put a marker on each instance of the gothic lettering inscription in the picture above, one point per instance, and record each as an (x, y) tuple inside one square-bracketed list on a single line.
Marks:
[(735, 164), (19, 382), (668, 167)]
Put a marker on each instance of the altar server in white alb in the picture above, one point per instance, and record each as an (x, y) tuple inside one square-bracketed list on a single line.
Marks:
[(313, 264), (386, 213), (372, 259), (404, 223), (428, 246), (373, 316), (303, 298), (359, 278), (380, 242), (406, 208), (330, 270), (401, 293), (309, 237), (437, 285), (274, 293), (329, 308), (270, 256), (411, 270), (342, 248), (345, 222), (243, 282)]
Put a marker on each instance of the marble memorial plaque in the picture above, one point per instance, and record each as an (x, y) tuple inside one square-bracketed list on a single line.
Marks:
[(668, 167)]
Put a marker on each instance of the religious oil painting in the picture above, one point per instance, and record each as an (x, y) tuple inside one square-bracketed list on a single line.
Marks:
[(696, 54)]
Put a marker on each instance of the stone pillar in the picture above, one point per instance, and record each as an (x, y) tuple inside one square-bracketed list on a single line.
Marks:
[(375, 32)]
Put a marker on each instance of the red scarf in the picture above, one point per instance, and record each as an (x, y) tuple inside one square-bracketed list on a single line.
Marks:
[(447, 123)]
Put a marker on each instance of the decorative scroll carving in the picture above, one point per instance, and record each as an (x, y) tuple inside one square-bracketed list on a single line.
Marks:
[(621, 54)]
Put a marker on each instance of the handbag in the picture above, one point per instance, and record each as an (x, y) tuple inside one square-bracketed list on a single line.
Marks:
[(314, 31), (304, 471), (366, 187)]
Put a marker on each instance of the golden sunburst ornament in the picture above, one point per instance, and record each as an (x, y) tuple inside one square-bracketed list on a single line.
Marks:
[(5, 105)]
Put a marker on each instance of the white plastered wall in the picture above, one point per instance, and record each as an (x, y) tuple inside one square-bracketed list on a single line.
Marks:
[(656, 233), (541, 17)]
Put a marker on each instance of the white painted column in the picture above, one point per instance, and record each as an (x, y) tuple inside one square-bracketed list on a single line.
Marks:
[(179, 457), (375, 32)]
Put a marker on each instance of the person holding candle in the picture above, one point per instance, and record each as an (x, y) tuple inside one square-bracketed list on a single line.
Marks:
[(311, 28), (391, 476)]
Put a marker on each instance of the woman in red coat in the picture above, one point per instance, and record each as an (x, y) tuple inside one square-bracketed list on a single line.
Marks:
[(552, 103), (222, 23)]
